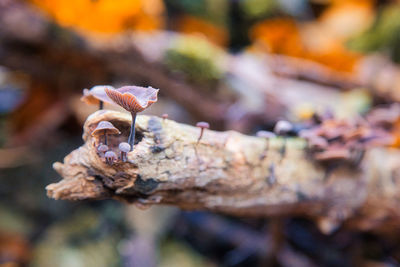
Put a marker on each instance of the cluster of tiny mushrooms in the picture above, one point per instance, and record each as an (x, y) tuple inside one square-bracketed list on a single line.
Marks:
[(135, 99)]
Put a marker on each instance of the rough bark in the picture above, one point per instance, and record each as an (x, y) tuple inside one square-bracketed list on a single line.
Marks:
[(226, 173)]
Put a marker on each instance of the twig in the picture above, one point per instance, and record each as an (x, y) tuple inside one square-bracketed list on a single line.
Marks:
[(230, 177)]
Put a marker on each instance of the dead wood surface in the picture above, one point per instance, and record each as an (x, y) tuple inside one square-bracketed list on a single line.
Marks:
[(225, 173)]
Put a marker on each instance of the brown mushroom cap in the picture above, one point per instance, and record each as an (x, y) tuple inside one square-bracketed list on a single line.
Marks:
[(318, 142), (107, 126), (133, 98), (203, 124), (96, 94), (265, 134), (379, 138), (333, 154), (124, 147), (314, 140), (88, 98), (384, 116), (306, 134)]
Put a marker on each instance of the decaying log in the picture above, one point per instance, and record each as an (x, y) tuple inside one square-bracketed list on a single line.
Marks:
[(225, 173)]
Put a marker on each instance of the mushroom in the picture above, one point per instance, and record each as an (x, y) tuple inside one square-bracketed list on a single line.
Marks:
[(133, 99), (282, 128), (384, 116), (111, 157), (102, 149), (164, 116), (318, 142), (313, 140), (202, 125), (96, 95), (333, 154), (267, 135), (104, 128), (124, 148)]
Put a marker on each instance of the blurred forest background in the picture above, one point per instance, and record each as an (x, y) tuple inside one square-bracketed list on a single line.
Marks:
[(238, 64)]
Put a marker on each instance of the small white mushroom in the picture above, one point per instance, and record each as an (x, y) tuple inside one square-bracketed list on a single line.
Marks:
[(124, 148), (111, 157), (102, 149), (202, 125), (282, 128)]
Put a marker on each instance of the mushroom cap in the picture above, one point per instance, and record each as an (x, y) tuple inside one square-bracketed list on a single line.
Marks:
[(318, 142), (110, 155), (96, 94), (379, 138), (102, 148), (265, 134), (333, 154), (306, 134), (133, 98), (124, 147), (283, 126), (105, 125), (164, 116), (384, 115), (203, 124)]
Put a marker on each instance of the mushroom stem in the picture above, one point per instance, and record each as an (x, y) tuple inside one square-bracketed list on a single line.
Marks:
[(265, 152), (101, 104), (131, 139), (105, 137), (283, 148), (201, 135), (271, 179)]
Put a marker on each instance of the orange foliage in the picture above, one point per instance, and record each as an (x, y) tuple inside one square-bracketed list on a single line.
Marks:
[(279, 36), (33, 107), (346, 18), (14, 250), (105, 16), (283, 36), (189, 24), (396, 134), (322, 40)]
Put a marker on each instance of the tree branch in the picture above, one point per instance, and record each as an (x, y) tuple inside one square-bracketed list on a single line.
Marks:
[(225, 173)]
